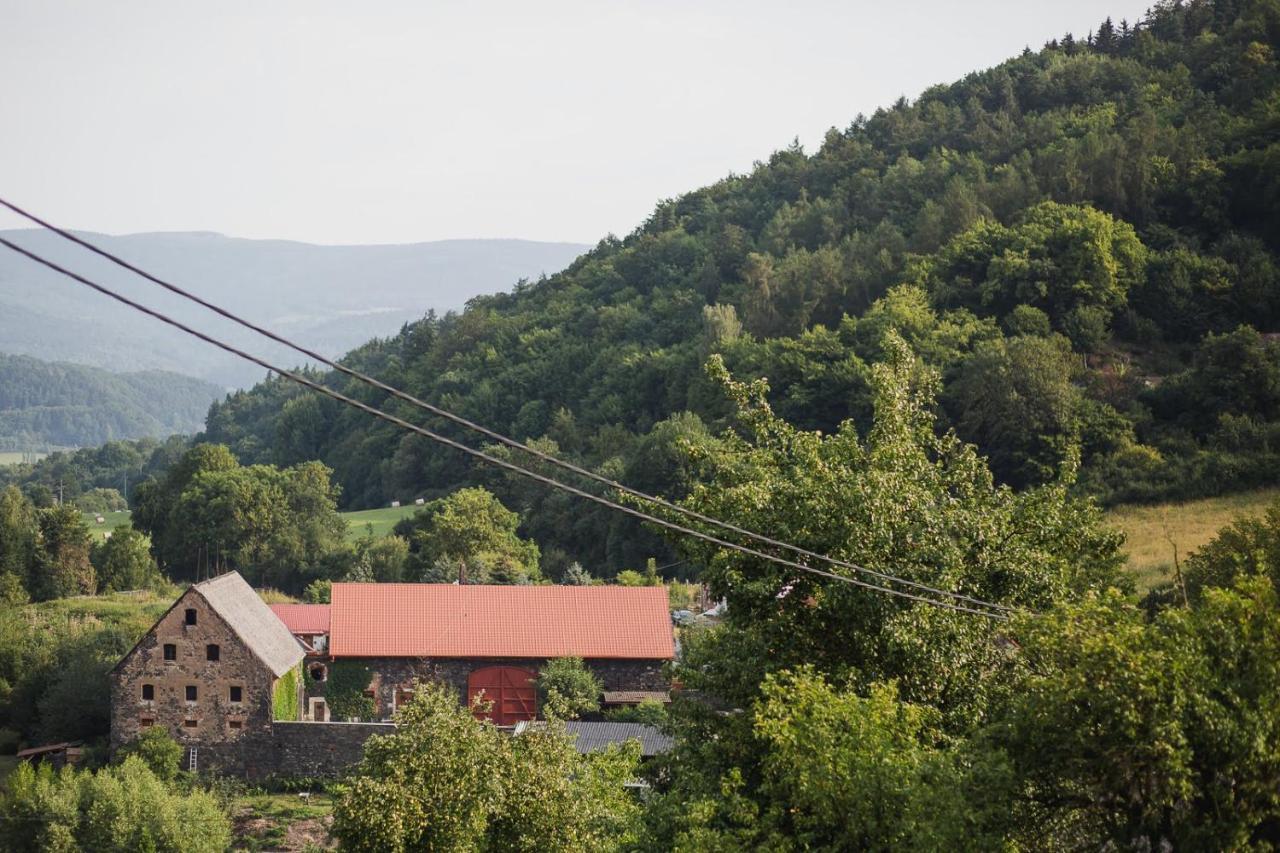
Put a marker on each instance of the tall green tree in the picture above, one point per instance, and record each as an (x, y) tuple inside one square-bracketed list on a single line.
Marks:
[(469, 536)]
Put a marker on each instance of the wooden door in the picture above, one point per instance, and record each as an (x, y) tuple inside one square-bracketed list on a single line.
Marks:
[(509, 689)]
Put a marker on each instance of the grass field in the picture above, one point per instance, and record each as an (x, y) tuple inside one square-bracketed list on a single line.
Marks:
[(380, 520), (358, 522), (15, 457), (111, 520), (1148, 529), (282, 822)]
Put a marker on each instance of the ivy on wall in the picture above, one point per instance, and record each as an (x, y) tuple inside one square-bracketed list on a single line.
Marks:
[(344, 691), (284, 700)]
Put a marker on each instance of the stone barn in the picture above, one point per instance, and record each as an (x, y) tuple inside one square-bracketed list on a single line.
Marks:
[(246, 688), (493, 639), (215, 671)]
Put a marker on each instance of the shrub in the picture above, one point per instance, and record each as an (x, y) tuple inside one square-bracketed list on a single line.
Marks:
[(119, 808), (157, 749), (568, 689)]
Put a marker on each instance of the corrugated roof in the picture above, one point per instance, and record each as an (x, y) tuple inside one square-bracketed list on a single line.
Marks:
[(591, 736), (635, 697), (303, 618), (461, 621), (260, 629)]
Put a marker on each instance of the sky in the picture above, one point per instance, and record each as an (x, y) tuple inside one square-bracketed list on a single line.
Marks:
[(403, 121)]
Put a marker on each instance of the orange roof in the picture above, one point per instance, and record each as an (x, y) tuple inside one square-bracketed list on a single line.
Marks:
[(452, 621), (303, 618)]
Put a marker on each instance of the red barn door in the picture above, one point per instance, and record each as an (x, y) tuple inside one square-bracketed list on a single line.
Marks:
[(511, 691)]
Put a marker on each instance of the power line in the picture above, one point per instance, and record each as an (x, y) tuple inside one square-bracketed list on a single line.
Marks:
[(489, 433), (479, 454)]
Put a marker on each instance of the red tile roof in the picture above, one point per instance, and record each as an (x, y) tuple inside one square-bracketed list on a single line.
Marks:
[(452, 621), (303, 618)]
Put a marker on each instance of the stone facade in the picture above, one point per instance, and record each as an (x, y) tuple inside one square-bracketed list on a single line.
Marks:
[(211, 717), (392, 675)]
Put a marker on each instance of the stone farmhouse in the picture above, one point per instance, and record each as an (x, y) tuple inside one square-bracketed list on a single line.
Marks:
[(245, 687)]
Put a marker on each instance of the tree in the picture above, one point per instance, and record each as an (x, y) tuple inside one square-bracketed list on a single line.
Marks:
[(123, 561), (1128, 733), (576, 575), (1059, 258), (444, 780), (1014, 398), (468, 536), (1249, 547), (122, 808), (902, 500), (62, 566), (18, 533), (276, 526), (567, 689)]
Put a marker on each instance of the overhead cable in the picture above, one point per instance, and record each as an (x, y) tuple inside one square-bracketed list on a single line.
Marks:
[(486, 457), (487, 432)]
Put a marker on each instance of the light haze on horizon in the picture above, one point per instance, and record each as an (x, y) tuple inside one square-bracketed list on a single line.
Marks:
[(403, 122)]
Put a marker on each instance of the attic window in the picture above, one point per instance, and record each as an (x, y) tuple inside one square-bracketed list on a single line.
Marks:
[(192, 692), (148, 692), (191, 616), (237, 694), (170, 651), (212, 652)]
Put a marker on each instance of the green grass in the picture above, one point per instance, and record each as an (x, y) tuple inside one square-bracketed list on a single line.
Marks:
[(281, 821), (111, 520), (381, 520), (1190, 524), (17, 457), (112, 608)]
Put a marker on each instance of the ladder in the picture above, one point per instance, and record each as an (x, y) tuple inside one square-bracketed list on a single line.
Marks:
[(193, 763)]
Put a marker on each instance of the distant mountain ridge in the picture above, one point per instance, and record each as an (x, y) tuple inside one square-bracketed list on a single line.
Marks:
[(331, 298), (50, 404)]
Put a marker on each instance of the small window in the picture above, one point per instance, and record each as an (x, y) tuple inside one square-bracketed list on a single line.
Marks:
[(192, 692), (191, 616), (146, 722), (190, 724), (211, 651), (237, 694), (170, 651), (148, 692), (235, 724)]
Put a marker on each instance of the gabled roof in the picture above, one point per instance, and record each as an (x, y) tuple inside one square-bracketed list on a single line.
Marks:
[(303, 618), (261, 630), (464, 621)]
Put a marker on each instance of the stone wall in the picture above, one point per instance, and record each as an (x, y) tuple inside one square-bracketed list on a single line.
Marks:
[(393, 674), (212, 718), (320, 749)]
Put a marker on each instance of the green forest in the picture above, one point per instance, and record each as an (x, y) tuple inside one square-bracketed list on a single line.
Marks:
[(942, 345), (51, 404), (1082, 241)]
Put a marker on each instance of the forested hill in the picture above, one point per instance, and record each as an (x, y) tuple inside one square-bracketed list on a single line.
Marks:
[(332, 298), (1083, 241), (45, 404)]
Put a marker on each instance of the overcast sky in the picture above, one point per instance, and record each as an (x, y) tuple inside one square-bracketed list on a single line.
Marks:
[(378, 122)]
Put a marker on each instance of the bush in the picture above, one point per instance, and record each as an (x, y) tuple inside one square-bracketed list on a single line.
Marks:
[(157, 749), (568, 689), (122, 808), (650, 712)]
